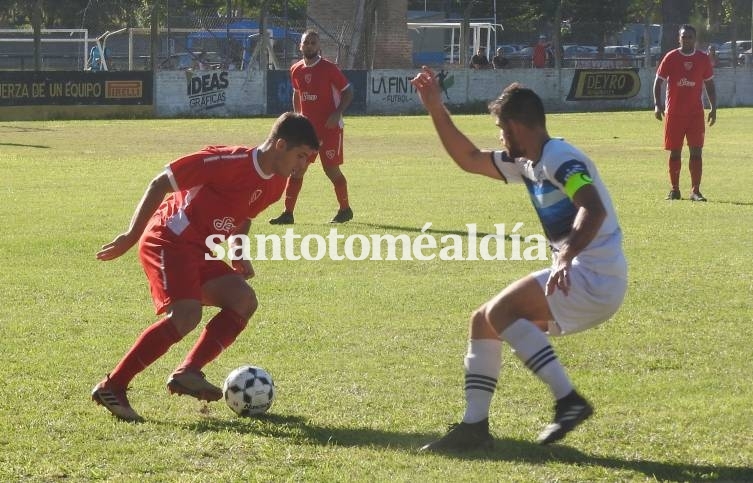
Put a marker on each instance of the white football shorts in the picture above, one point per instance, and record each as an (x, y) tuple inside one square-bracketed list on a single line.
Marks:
[(592, 299)]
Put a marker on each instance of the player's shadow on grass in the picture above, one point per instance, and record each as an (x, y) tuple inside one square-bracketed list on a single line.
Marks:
[(13, 128), (25, 145), (515, 450), (418, 229), (731, 202), (300, 431)]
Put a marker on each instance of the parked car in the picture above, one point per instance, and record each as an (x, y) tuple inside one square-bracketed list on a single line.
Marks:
[(743, 57), (628, 51), (579, 51), (507, 49), (521, 58), (724, 52)]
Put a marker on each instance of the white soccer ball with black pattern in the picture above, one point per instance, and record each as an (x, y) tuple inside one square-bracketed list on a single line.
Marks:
[(249, 391)]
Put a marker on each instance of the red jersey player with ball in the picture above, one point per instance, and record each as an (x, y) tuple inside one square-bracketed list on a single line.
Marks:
[(321, 92), (686, 71), (209, 193)]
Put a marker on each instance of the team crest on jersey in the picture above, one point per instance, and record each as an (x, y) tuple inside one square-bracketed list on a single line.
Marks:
[(255, 196), (224, 224), (330, 153), (688, 65), (307, 78)]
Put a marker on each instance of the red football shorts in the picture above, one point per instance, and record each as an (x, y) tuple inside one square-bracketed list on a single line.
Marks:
[(677, 128), (176, 271), (331, 147)]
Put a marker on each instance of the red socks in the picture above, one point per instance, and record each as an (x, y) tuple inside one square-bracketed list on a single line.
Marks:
[(154, 342), (291, 193), (696, 170), (150, 346), (341, 191), (217, 336), (675, 165), (294, 185)]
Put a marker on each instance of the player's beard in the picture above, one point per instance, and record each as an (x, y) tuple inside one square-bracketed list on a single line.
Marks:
[(311, 55), (513, 148)]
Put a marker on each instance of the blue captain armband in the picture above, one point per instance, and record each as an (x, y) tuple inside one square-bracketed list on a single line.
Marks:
[(576, 182)]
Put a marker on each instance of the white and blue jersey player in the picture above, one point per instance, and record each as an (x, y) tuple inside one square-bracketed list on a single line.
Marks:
[(598, 273), (584, 286)]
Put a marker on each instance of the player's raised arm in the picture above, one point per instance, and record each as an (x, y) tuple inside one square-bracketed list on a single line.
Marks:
[(458, 146), (149, 203)]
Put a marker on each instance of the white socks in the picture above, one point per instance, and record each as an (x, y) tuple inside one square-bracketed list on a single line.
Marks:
[(532, 347), (482, 365)]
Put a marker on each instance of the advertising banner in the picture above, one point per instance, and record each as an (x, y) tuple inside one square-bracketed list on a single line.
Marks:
[(64, 88), (604, 84)]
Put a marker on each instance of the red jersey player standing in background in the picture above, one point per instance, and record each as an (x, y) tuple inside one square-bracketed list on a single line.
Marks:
[(321, 92), (215, 191), (686, 71)]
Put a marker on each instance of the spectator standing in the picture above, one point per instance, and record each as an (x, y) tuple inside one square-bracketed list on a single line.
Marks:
[(480, 60), (499, 61), (540, 53), (711, 52)]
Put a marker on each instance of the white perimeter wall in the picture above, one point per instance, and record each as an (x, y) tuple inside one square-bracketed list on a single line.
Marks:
[(243, 93)]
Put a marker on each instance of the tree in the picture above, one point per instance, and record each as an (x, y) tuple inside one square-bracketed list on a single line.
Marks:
[(598, 18), (36, 24), (674, 13)]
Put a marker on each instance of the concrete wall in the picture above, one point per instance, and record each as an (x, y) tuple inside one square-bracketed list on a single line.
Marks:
[(388, 91)]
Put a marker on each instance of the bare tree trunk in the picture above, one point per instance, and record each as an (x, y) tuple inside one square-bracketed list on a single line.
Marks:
[(36, 25), (557, 36), (154, 44), (648, 7), (714, 12), (465, 30), (675, 13)]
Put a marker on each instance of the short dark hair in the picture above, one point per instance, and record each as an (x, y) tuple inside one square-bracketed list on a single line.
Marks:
[(296, 130), (308, 32), (687, 26), (521, 104)]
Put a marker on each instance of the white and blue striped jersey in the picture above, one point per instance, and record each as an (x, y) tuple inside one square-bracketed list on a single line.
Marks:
[(547, 184)]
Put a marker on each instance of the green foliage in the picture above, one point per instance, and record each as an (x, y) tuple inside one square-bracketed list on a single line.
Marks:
[(99, 16), (368, 355)]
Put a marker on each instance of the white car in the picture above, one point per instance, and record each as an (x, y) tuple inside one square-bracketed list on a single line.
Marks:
[(620, 51), (724, 52), (579, 51), (742, 58)]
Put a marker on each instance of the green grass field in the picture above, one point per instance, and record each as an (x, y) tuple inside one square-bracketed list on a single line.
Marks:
[(367, 355)]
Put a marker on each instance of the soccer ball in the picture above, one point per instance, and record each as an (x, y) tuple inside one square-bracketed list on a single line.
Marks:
[(249, 390)]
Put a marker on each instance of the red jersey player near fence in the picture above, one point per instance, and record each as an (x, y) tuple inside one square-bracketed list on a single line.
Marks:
[(321, 92), (215, 191), (686, 71)]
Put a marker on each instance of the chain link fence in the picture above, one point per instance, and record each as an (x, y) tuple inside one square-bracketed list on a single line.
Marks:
[(204, 39)]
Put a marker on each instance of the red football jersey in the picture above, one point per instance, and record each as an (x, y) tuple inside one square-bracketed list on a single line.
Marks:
[(685, 75), (216, 189), (320, 86)]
